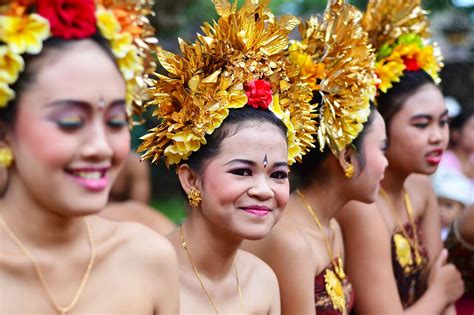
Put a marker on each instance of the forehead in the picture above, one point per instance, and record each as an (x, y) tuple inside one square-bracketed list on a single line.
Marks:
[(427, 100), (254, 140), (77, 71)]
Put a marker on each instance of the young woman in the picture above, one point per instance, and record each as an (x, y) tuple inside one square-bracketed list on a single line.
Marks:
[(64, 137), (393, 247), (305, 249), (234, 113)]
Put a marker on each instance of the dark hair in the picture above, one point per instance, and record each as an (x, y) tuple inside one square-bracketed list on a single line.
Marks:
[(391, 102), (310, 169), (27, 77), (236, 119), (458, 122)]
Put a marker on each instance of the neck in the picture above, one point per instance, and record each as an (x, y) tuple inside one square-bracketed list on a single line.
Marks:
[(325, 200), (211, 248), (36, 225), (394, 180)]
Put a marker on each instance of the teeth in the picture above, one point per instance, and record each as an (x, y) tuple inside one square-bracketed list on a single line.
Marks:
[(89, 175)]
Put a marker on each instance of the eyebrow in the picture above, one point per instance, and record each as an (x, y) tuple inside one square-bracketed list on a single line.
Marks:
[(83, 104), (252, 163), (428, 117)]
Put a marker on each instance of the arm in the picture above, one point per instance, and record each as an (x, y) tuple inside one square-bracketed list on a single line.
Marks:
[(368, 256)]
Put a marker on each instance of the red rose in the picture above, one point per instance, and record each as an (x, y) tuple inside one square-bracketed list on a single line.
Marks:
[(69, 18), (259, 93), (411, 64)]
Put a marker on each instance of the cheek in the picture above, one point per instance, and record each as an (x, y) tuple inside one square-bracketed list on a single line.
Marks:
[(120, 144), (282, 194)]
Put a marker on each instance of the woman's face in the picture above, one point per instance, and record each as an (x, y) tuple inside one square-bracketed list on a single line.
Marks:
[(418, 133), (71, 134), (245, 187), (374, 145)]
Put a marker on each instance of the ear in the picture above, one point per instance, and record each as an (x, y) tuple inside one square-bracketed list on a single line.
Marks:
[(188, 178), (348, 157)]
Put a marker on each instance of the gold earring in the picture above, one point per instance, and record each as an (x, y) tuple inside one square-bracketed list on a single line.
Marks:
[(194, 197), (349, 171), (6, 157)]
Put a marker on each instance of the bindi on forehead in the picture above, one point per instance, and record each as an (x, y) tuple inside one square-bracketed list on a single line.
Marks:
[(101, 103), (265, 161)]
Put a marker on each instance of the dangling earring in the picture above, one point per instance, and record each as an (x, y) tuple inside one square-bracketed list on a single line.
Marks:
[(6, 157), (349, 171), (194, 197)]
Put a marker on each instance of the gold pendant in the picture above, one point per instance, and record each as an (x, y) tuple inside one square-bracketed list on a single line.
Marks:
[(335, 291), (339, 268), (403, 250)]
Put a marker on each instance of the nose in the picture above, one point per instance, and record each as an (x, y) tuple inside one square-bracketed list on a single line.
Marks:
[(261, 188), (96, 145), (436, 135)]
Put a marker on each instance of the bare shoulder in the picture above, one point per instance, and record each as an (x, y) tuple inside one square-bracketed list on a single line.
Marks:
[(135, 240), (257, 270), (359, 215)]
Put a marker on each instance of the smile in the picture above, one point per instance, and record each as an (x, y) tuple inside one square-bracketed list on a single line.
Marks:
[(259, 211), (94, 180)]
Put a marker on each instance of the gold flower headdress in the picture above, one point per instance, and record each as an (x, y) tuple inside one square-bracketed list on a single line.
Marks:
[(240, 59), (25, 24), (398, 30), (336, 59)]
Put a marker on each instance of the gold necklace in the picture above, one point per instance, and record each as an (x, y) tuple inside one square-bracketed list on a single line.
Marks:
[(409, 210), (186, 248), (61, 309), (333, 281)]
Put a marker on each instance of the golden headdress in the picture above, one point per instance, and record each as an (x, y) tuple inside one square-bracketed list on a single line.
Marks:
[(240, 59), (337, 60), (25, 24), (398, 30)]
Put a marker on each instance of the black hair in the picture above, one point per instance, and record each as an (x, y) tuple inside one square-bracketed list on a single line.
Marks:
[(458, 122), (310, 170), (391, 102), (27, 77), (235, 120)]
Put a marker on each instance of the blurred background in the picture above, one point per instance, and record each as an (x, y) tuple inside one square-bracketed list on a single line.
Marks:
[(452, 27)]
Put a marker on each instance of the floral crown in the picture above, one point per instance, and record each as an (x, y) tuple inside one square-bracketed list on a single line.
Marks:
[(398, 30), (240, 60), (26, 24), (337, 61)]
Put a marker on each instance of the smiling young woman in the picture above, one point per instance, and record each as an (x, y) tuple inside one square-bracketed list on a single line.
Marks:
[(234, 114), (395, 242), (64, 127)]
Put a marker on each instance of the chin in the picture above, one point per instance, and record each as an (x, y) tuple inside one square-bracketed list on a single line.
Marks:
[(256, 233)]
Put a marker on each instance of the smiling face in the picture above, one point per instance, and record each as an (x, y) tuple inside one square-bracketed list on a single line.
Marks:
[(418, 133), (71, 135), (245, 187)]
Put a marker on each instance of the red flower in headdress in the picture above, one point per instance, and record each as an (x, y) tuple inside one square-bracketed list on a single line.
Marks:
[(411, 64), (69, 18), (259, 93)]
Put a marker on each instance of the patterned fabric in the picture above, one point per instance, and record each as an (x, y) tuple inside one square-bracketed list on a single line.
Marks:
[(409, 273), (323, 302)]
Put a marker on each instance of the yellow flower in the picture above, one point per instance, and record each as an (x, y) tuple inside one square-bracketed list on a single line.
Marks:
[(403, 251), (11, 65), (121, 44), (294, 149), (335, 291), (311, 73), (107, 23), (24, 34), (184, 143), (130, 64), (6, 94), (389, 71)]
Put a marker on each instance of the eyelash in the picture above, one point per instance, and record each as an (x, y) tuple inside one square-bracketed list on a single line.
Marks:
[(248, 172), (70, 123), (117, 123)]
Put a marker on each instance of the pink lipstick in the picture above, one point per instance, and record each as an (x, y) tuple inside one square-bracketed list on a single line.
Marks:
[(92, 179), (259, 211)]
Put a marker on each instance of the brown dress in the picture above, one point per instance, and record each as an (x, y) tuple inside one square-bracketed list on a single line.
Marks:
[(332, 296), (409, 271)]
